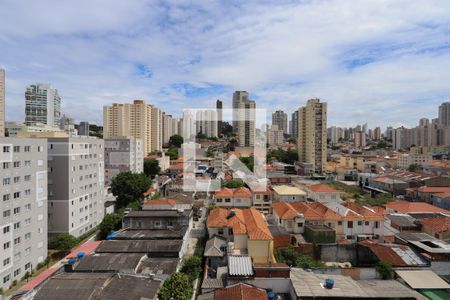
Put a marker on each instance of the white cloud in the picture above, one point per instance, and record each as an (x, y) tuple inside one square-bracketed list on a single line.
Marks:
[(382, 62)]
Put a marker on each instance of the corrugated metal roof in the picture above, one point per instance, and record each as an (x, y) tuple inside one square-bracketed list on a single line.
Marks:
[(240, 266)]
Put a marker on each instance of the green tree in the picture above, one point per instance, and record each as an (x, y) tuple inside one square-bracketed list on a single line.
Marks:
[(227, 129), (233, 183), (413, 167), (129, 187), (177, 286), (385, 270), (172, 152), (248, 161), (109, 223), (66, 242), (176, 141), (192, 267), (209, 153), (151, 167)]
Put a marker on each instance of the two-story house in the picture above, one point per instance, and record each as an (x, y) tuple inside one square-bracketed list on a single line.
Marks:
[(288, 193), (237, 197), (246, 231), (323, 193)]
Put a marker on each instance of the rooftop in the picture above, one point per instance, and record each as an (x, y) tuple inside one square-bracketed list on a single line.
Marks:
[(402, 220), (239, 265), (241, 192), (407, 207), (286, 190), (240, 291), (97, 286), (173, 234), (438, 224), (243, 221), (108, 262), (311, 285), (322, 188), (396, 255), (213, 247), (169, 247), (422, 279)]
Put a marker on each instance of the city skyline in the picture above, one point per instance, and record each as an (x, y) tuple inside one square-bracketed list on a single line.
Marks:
[(390, 70)]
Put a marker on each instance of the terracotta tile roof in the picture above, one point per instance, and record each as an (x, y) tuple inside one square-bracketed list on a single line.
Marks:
[(240, 291), (434, 189), (442, 195), (224, 193), (328, 214), (243, 221), (284, 210), (177, 166), (307, 210), (390, 254), (170, 202), (437, 225), (414, 207), (368, 213), (241, 192), (321, 188)]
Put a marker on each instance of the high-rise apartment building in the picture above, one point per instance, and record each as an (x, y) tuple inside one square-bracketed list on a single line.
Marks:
[(312, 134), (138, 120), (294, 124), (360, 139), (377, 134), (275, 136), (206, 122), (75, 184), (83, 128), (238, 97), (123, 154), (2, 102), (23, 205), (219, 107), (42, 105), (246, 123), (167, 127), (444, 114), (280, 119)]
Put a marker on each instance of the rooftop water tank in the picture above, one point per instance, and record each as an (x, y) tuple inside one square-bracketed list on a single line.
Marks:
[(329, 283)]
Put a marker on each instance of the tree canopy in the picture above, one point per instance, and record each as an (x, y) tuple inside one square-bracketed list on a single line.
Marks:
[(385, 270), (248, 161), (151, 167), (287, 156), (172, 152), (233, 183), (176, 141), (109, 223), (192, 267), (129, 187), (65, 242), (177, 286)]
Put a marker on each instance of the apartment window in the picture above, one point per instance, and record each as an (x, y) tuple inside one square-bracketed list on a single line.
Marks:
[(28, 250), (220, 231), (17, 256), (6, 149), (299, 225), (350, 224), (6, 197), (28, 206), (6, 245), (27, 266), (16, 195), (366, 223), (40, 149), (5, 229), (6, 165), (16, 179), (27, 192), (376, 224), (6, 213), (359, 223), (16, 210), (6, 181), (17, 241), (16, 272), (28, 236), (27, 163), (228, 200), (27, 221), (6, 279), (17, 164), (27, 178), (16, 149), (17, 225), (27, 149), (6, 261)]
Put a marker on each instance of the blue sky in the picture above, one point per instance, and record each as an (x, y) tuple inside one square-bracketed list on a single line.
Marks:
[(376, 61)]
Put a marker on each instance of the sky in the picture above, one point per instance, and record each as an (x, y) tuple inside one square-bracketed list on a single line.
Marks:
[(374, 61)]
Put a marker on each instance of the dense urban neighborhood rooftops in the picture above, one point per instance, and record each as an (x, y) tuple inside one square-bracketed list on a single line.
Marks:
[(414, 207)]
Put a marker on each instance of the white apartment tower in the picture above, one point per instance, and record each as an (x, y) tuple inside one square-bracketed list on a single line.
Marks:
[(123, 154), (42, 105), (75, 184), (2, 103), (246, 123), (312, 134), (138, 120), (23, 205)]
